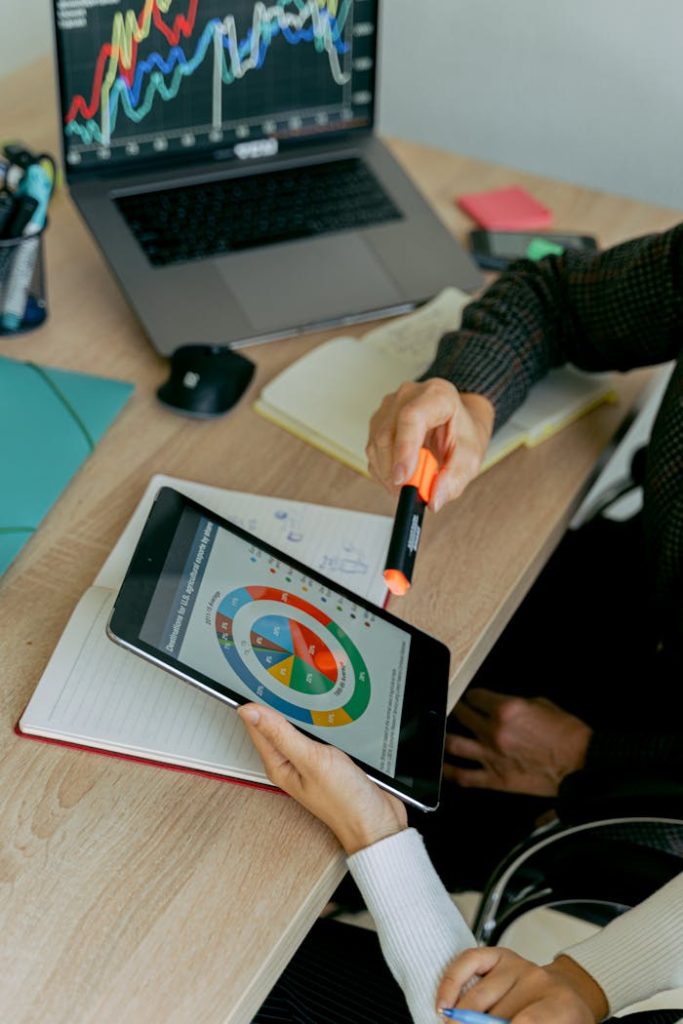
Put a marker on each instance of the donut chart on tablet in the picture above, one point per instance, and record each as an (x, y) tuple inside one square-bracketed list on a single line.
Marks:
[(280, 651)]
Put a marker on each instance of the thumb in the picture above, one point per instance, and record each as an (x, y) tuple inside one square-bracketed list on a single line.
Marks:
[(464, 969), (276, 739), (455, 474), (449, 484)]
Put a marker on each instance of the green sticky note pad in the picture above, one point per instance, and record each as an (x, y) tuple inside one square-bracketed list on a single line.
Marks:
[(50, 422), (540, 247)]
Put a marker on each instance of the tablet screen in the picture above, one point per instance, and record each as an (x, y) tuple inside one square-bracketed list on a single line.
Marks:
[(272, 633), (233, 615)]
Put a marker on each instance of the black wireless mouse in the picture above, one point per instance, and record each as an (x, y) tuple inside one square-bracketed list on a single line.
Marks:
[(205, 380)]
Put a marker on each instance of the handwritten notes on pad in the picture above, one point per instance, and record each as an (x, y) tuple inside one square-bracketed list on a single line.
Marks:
[(329, 396)]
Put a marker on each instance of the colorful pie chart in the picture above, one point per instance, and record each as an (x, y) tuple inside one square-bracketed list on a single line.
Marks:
[(293, 657)]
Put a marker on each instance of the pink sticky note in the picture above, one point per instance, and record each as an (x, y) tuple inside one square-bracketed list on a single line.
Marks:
[(506, 209)]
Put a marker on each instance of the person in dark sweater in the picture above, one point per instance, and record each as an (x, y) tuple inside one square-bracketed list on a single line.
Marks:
[(578, 699), (547, 717)]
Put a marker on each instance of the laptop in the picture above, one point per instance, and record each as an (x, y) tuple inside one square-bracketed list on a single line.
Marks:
[(223, 154)]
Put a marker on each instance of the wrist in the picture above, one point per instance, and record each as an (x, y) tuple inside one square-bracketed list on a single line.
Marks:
[(579, 738), (482, 410), (584, 985), (361, 836)]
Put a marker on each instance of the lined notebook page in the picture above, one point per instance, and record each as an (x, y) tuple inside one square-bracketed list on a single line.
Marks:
[(97, 694)]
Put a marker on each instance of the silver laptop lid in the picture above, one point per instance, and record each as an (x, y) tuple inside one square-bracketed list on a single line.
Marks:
[(148, 82)]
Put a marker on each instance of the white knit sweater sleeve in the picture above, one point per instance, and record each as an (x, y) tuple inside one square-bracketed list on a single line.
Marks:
[(419, 928), (640, 953)]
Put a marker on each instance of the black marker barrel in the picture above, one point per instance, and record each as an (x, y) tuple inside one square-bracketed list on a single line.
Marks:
[(405, 537)]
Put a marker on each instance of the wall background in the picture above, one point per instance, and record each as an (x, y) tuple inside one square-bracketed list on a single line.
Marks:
[(589, 91)]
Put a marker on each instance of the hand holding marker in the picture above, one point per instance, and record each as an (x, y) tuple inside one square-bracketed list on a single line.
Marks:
[(405, 537)]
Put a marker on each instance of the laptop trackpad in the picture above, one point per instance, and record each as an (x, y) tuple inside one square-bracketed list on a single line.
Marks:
[(307, 282)]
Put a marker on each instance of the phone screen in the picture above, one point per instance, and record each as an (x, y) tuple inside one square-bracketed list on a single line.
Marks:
[(514, 244)]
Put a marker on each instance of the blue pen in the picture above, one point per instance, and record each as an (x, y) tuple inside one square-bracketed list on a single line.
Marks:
[(472, 1017)]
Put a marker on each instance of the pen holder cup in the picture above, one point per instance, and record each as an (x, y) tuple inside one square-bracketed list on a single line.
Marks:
[(23, 304)]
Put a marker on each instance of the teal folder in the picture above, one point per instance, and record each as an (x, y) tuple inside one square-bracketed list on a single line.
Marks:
[(50, 422)]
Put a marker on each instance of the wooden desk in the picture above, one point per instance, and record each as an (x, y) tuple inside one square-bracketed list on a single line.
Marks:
[(133, 894)]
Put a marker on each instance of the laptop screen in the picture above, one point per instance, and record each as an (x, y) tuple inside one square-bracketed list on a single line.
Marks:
[(141, 79)]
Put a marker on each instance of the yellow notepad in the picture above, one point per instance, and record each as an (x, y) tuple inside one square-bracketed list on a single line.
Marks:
[(328, 396)]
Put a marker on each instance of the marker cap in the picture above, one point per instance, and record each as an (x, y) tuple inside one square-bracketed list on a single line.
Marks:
[(397, 582)]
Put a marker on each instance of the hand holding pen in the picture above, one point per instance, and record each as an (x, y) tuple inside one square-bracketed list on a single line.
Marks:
[(491, 980)]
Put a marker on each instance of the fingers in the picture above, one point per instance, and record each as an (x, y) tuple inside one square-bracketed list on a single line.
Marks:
[(456, 473), (283, 749), (380, 445), (479, 724), (482, 777), (414, 421), (469, 964), (401, 426), (463, 746), (487, 701), (497, 981), (482, 712), (471, 778)]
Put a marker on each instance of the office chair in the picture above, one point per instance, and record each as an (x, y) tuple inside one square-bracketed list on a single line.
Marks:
[(597, 860)]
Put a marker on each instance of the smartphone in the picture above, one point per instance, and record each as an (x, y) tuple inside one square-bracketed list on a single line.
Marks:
[(496, 250)]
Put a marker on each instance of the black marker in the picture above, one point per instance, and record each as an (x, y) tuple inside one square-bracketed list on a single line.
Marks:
[(23, 208), (6, 204), (405, 537)]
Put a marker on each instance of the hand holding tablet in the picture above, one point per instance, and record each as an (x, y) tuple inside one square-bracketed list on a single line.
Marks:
[(324, 780), (210, 603)]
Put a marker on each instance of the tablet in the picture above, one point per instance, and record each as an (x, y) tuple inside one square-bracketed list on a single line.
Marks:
[(232, 615)]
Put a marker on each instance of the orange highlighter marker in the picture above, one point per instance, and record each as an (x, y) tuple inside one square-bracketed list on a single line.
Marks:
[(405, 537)]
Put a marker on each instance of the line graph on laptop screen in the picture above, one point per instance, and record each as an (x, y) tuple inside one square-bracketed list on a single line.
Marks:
[(167, 76)]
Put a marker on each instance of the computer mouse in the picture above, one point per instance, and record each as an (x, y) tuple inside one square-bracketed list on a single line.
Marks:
[(205, 380)]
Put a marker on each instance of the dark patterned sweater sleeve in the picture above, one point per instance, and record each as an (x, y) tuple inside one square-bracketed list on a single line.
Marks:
[(613, 310)]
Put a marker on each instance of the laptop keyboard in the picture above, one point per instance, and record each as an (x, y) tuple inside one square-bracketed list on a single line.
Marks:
[(197, 221)]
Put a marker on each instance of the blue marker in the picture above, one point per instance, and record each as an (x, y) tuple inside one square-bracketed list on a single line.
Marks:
[(36, 183), (472, 1017)]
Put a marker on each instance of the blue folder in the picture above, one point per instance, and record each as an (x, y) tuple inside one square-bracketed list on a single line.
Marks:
[(50, 422)]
